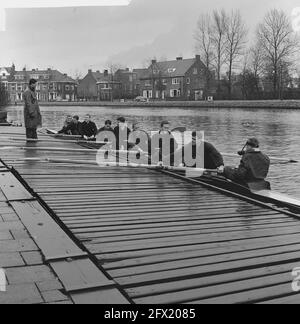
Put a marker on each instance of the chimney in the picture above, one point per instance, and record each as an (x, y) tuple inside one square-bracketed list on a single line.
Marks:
[(154, 61), (65, 74), (105, 73), (90, 71), (127, 69), (24, 69), (98, 71), (33, 70), (198, 58), (179, 58), (49, 69)]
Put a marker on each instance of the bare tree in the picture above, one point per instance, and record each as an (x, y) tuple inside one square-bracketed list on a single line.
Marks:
[(219, 22), (204, 45), (278, 41), (236, 34)]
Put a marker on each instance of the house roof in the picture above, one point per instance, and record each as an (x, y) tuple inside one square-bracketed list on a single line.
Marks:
[(141, 73), (54, 75), (176, 68)]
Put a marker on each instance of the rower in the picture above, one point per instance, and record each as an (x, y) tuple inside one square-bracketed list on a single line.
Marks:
[(122, 133), (89, 129), (208, 154), (139, 140), (253, 169), (107, 127), (164, 144), (76, 126), (66, 130)]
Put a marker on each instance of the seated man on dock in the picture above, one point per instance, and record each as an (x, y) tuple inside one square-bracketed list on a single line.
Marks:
[(253, 169), (89, 129)]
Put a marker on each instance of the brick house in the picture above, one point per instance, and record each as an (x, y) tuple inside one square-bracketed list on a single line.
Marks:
[(129, 83), (108, 87), (5, 75), (87, 88), (182, 79), (52, 85)]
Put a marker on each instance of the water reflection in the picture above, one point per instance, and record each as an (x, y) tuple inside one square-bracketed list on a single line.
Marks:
[(278, 130)]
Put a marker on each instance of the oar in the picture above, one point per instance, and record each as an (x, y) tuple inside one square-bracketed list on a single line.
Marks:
[(271, 157), (71, 150), (14, 139), (190, 172)]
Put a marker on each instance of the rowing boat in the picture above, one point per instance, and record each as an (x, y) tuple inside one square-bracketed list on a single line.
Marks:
[(220, 183)]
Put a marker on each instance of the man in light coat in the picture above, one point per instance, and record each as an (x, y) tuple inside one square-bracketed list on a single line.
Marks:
[(32, 113)]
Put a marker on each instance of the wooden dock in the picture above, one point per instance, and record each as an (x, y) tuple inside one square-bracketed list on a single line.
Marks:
[(163, 240)]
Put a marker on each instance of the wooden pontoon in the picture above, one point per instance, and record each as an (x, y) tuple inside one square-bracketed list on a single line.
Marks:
[(162, 238)]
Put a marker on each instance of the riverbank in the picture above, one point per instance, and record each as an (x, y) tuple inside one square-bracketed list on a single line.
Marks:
[(262, 104)]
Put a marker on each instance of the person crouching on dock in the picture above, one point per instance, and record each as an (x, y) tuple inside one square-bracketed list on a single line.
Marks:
[(253, 169), (32, 113)]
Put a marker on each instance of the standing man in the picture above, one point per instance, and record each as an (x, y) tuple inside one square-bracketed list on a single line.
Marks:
[(32, 113)]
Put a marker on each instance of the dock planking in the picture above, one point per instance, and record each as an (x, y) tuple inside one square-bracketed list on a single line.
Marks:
[(164, 240)]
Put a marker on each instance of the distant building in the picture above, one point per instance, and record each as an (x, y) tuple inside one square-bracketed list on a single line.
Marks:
[(129, 83), (52, 85), (5, 75), (182, 79), (87, 88), (108, 88)]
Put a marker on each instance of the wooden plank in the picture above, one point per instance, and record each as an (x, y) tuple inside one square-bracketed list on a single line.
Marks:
[(252, 296), (12, 188), (217, 290), (87, 279), (50, 238), (207, 281), (202, 260), (204, 270)]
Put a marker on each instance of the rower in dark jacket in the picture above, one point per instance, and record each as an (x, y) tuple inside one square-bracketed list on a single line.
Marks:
[(66, 130), (76, 126), (163, 138), (89, 129), (122, 133), (207, 154), (253, 169)]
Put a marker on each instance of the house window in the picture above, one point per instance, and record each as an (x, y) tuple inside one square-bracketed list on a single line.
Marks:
[(176, 81), (195, 71), (188, 81), (44, 87), (148, 83), (165, 81), (171, 70), (67, 88)]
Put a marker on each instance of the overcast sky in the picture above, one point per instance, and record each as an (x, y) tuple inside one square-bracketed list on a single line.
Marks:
[(72, 40)]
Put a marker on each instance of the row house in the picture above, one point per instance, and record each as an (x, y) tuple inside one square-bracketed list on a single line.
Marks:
[(5, 73), (52, 85), (183, 79), (108, 88), (87, 88), (129, 83)]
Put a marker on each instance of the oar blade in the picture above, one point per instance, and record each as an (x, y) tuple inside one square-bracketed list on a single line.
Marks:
[(193, 173)]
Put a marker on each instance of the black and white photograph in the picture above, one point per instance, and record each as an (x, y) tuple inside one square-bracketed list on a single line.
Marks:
[(149, 154)]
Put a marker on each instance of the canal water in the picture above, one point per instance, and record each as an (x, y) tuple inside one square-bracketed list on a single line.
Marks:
[(228, 129)]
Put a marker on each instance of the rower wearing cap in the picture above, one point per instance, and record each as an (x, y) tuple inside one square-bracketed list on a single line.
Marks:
[(253, 169)]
